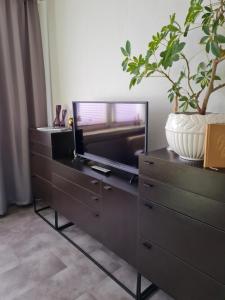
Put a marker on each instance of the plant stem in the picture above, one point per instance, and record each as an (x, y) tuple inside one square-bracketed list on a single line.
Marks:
[(189, 72), (167, 76), (196, 27), (176, 106), (221, 59), (210, 87), (197, 97), (218, 87)]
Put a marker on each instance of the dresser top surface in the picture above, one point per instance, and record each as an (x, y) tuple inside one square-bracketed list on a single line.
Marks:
[(49, 130), (172, 157), (116, 178)]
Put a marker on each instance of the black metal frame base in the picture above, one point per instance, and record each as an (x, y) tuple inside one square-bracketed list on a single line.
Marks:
[(139, 294)]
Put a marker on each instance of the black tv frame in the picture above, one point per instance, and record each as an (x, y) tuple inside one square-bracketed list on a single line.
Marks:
[(102, 160)]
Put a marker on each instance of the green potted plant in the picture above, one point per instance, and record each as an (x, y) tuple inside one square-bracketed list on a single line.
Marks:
[(194, 84)]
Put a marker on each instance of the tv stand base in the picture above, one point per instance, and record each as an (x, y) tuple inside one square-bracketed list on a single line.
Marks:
[(133, 178)]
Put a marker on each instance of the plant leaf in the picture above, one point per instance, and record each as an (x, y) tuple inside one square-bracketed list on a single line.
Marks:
[(124, 64), (221, 38), (171, 97), (201, 66), (215, 49), (203, 39), (208, 8), (132, 82), (183, 99), (128, 48), (208, 46), (181, 46), (193, 104), (205, 28), (194, 11), (124, 51), (182, 104), (217, 77)]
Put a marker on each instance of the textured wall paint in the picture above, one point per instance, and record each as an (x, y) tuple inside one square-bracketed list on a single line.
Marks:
[(85, 38)]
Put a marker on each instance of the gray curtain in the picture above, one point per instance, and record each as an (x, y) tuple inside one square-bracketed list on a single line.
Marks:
[(22, 96)]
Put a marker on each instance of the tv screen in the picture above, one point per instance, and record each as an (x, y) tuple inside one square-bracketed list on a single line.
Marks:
[(113, 133)]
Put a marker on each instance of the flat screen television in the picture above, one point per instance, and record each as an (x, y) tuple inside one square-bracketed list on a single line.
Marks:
[(111, 133)]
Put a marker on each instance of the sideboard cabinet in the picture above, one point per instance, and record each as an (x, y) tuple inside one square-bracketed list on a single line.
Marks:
[(181, 245), (170, 225), (104, 207)]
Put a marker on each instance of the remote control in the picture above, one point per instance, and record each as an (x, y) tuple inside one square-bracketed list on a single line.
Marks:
[(101, 170)]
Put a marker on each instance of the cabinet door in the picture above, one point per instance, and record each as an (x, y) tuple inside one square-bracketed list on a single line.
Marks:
[(77, 177), (41, 166), (86, 218), (174, 276), (204, 182), (196, 243), (120, 222), (88, 198), (42, 189), (193, 205)]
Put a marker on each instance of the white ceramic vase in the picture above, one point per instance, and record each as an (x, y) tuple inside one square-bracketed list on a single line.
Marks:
[(185, 133)]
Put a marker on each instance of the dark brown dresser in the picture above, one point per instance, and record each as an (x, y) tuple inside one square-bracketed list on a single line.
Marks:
[(181, 239), (170, 226), (44, 147), (104, 207)]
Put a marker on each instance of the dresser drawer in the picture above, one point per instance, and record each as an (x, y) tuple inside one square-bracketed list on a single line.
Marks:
[(176, 277), (77, 177), (41, 149), (75, 211), (197, 180), (119, 221), (41, 166), (198, 207), (41, 189), (90, 199), (40, 137), (194, 242)]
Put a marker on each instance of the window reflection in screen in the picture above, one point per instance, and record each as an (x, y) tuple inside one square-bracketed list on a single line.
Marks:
[(114, 131), (93, 116), (91, 113)]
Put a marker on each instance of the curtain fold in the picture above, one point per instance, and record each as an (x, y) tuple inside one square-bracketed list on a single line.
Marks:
[(22, 96)]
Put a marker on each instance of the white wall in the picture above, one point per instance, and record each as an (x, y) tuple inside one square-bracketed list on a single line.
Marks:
[(43, 13), (85, 38)]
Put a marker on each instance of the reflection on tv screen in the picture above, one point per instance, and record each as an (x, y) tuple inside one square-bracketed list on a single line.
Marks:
[(115, 131)]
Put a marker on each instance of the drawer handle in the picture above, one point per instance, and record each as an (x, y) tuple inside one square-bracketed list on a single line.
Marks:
[(148, 185), (95, 198), (149, 162), (107, 188), (97, 215), (147, 245), (148, 205), (94, 182)]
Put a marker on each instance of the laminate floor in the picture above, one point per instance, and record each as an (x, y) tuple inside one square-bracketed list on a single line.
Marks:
[(36, 263)]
